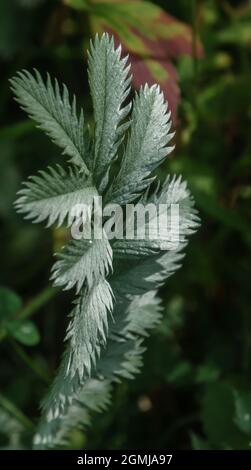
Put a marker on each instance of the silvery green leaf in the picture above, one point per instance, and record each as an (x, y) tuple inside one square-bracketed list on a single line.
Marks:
[(53, 194), (82, 262), (109, 84), (50, 106), (94, 395), (162, 229), (88, 328), (147, 145)]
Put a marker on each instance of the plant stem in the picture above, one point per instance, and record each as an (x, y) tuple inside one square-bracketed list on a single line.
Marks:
[(181, 423), (29, 361), (35, 304), (14, 411), (41, 299), (17, 130)]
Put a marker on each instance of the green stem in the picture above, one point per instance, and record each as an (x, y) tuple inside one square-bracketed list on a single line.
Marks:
[(29, 362), (33, 306), (17, 130), (181, 423), (14, 411)]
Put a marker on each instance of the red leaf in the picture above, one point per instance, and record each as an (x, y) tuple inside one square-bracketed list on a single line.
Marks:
[(152, 37), (146, 71)]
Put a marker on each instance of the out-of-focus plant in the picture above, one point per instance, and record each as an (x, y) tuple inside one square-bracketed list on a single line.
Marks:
[(153, 38)]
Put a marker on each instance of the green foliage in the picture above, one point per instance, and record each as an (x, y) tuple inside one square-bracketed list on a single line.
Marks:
[(52, 109), (97, 349), (226, 418), (11, 429), (10, 302), (23, 330)]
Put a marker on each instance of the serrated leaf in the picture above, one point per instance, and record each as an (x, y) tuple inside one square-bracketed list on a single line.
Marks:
[(88, 328), (152, 70), (155, 235), (143, 313), (138, 276), (54, 112), (53, 195), (94, 395), (147, 145), (109, 84), (83, 262)]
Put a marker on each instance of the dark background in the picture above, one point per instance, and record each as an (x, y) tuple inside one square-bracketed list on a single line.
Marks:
[(195, 387)]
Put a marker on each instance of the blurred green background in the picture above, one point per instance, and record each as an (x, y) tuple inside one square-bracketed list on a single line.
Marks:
[(194, 391)]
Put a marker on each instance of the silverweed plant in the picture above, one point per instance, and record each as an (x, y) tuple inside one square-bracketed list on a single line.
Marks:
[(116, 281)]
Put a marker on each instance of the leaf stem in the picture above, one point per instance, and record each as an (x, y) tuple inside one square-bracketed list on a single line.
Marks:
[(42, 298), (35, 304), (14, 131), (14, 411), (29, 361)]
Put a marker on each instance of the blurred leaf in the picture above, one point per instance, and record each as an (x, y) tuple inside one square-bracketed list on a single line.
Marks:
[(10, 303), (11, 28), (24, 331), (9, 179), (243, 411), (162, 72), (237, 33), (215, 97), (225, 215), (207, 372), (152, 42), (185, 67), (173, 318), (12, 429), (16, 130), (181, 373), (198, 443), (30, 3), (218, 411), (77, 4)]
